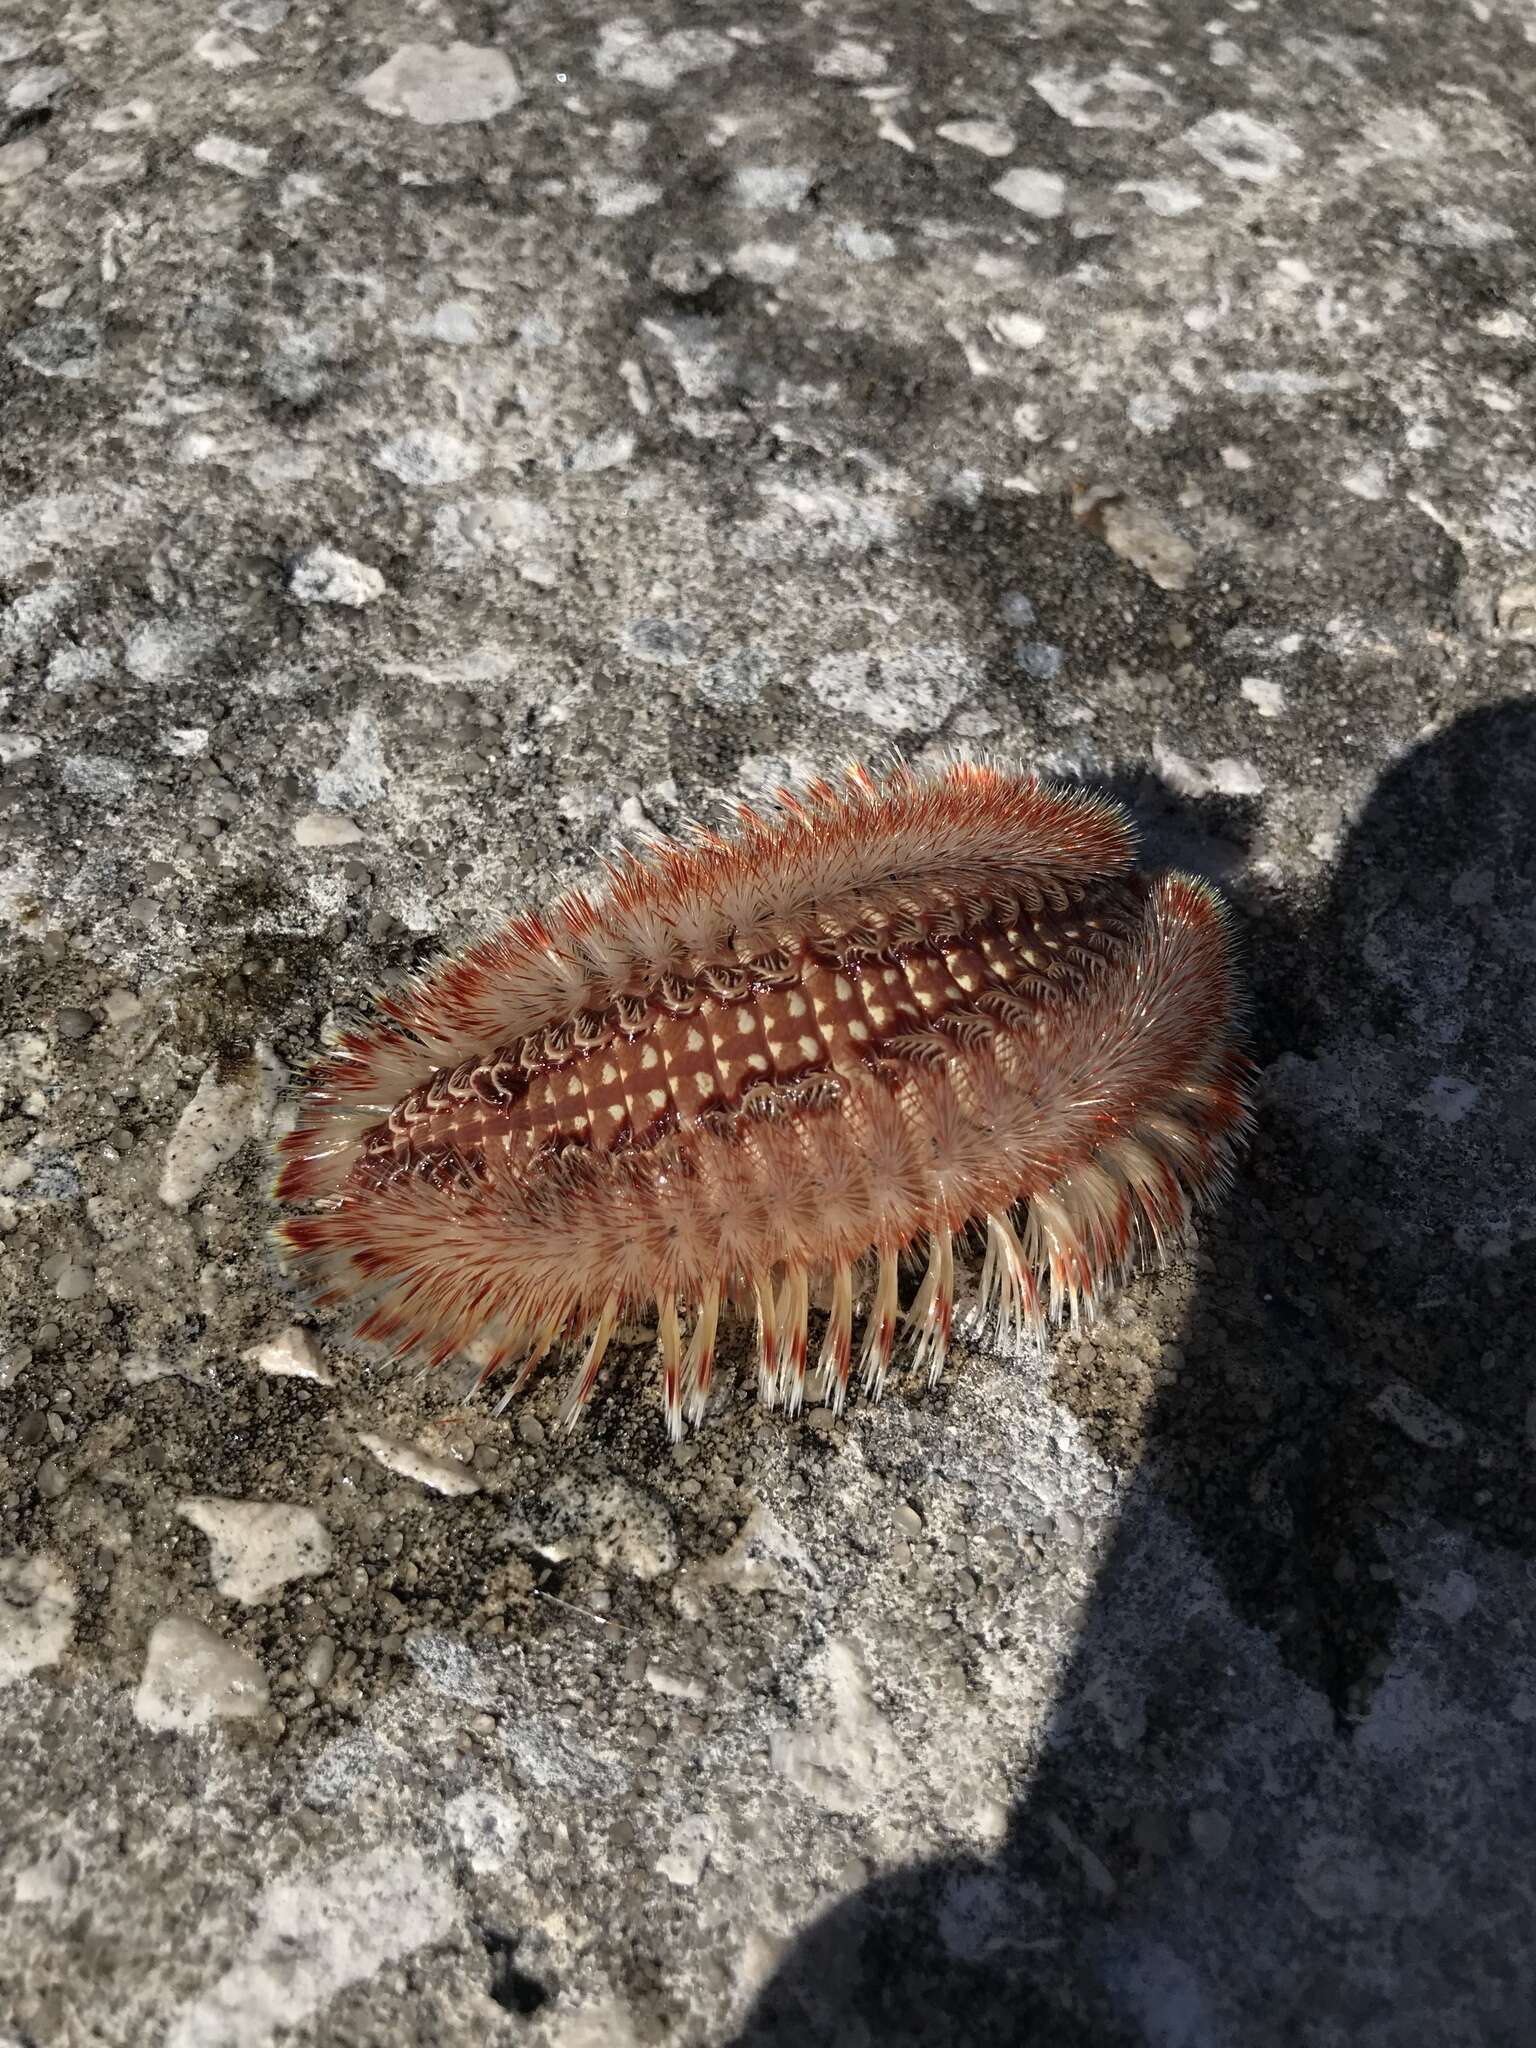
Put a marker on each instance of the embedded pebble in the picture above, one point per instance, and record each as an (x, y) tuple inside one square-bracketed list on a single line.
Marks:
[(1041, 194), (192, 1677), (487, 1828), (615, 1523), (987, 138), (667, 643), (74, 1282), (165, 650), (227, 1109), (1137, 533), (429, 455), (322, 575), (59, 348), (1119, 99), (224, 153), (256, 17), (442, 1475), (1165, 197), (864, 245), (777, 188), (19, 159), (676, 1685), (684, 268), (126, 116), (455, 322), (766, 263), (319, 1662), (857, 62), (1235, 778), (1266, 696), (1041, 660), (256, 1546), (309, 1934), (765, 1557), (470, 527), (48, 1881), (1243, 148), (1018, 330), (687, 1852), (74, 1024), (37, 1614), (626, 49), (435, 85), (221, 51), (292, 1355), (616, 198), (1447, 1099), (1515, 610), (911, 689), (326, 828), (39, 87), (737, 678)]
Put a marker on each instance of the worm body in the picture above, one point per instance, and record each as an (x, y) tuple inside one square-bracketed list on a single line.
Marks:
[(892, 1011)]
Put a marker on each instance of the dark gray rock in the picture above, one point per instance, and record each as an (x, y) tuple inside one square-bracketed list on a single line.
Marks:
[(705, 395)]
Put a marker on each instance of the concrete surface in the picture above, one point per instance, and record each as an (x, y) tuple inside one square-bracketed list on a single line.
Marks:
[(397, 505)]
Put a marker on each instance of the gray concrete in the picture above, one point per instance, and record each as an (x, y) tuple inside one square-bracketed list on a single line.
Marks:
[(397, 506)]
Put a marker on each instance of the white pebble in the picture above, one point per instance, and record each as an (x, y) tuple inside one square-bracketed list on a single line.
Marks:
[(37, 1614), (687, 1853), (617, 198), (39, 87), (1242, 148), (764, 262), (1018, 330), (1266, 697), (19, 159), (442, 1475), (221, 51), (770, 187), (1118, 98), (322, 575), (291, 1355), (987, 138), (676, 1685), (455, 322), (864, 245), (850, 60), (224, 1112), (245, 159), (1042, 194), (1165, 197), (326, 828), (428, 455), (256, 1545), (1236, 778), (626, 49), (192, 1676), (423, 82), (487, 1828)]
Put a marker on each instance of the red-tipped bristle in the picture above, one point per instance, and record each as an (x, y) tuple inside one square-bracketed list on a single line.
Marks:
[(891, 1008)]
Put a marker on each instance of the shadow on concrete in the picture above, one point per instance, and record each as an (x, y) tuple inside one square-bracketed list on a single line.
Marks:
[(1284, 1795)]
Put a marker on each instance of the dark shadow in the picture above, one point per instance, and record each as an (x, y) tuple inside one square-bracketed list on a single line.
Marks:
[(1288, 1793)]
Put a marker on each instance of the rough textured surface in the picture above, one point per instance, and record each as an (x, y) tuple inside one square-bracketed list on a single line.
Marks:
[(394, 506)]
